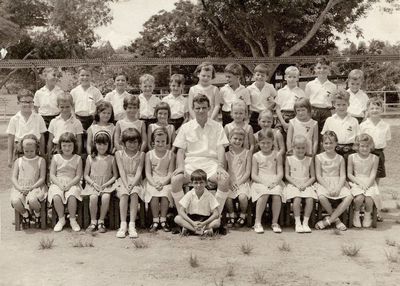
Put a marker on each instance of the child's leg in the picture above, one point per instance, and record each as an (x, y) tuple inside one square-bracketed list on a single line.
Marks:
[(177, 192), (19, 206), (183, 223), (297, 210), (260, 208), (164, 207), (342, 207), (123, 208), (93, 208), (155, 207), (229, 206), (358, 201), (308, 209), (34, 205), (72, 205), (214, 224), (105, 204), (59, 206), (276, 208), (243, 203), (133, 208), (326, 204), (369, 204)]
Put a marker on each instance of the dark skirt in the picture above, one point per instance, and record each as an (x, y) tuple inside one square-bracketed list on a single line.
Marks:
[(381, 173)]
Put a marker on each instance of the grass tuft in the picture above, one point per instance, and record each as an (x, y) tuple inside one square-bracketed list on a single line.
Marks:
[(82, 243), (193, 261), (46, 243), (259, 277), (140, 243), (246, 248), (230, 271), (351, 249), (390, 242), (284, 246), (220, 282), (395, 195)]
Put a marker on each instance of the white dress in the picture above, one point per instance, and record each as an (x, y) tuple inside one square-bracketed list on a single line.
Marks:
[(159, 168), (362, 169), (237, 164), (331, 174), (28, 175), (101, 171), (306, 129), (130, 165), (65, 172), (267, 171), (299, 170)]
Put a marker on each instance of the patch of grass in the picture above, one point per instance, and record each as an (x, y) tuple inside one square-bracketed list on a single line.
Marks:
[(46, 243), (395, 195), (392, 256), (284, 246), (140, 243), (230, 271), (259, 277), (390, 242), (351, 249), (336, 231), (246, 248), (193, 261), (219, 283), (82, 243)]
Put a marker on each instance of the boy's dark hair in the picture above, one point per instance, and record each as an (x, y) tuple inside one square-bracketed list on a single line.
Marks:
[(375, 100), (162, 106), (207, 66), (102, 105), (67, 137), (177, 78), (101, 137), (158, 132), (235, 69), (261, 68), (198, 175), (323, 61), (120, 74), (32, 137), (302, 102), (131, 134), (200, 98), (24, 93), (85, 68), (341, 94), (131, 100)]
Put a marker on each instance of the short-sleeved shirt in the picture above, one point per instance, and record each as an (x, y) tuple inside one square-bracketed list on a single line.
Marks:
[(204, 205), (320, 94), (46, 100), (19, 127), (346, 128), (85, 100), (59, 126), (117, 101), (358, 103), (260, 99), (177, 104), (228, 96), (147, 106), (379, 132), (287, 97)]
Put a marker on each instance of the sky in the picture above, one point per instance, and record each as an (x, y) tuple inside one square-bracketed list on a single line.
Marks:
[(130, 15)]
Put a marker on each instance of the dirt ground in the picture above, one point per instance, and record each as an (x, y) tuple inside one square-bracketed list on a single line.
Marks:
[(311, 259)]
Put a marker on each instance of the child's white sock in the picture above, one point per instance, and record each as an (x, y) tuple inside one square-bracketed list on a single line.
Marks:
[(101, 221), (305, 220), (232, 215), (243, 215), (297, 220), (25, 214), (163, 219), (221, 198), (156, 219), (131, 224), (123, 224), (93, 221)]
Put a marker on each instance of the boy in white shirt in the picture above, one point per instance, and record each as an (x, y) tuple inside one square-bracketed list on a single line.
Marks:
[(148, 101), (116, 97), (176, 101), (358, 98), (262, 95), (319, 91)]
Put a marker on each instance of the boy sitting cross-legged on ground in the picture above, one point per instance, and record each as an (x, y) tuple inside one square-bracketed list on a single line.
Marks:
[(199, 213)]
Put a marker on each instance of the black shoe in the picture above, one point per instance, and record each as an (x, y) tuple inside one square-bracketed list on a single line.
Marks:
[(222, 230), (164, 225)]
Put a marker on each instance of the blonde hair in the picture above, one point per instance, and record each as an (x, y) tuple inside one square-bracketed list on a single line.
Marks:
[(298, 139), (147, 78), (356, 74), (65, 97), (292, 69), (363, 138)]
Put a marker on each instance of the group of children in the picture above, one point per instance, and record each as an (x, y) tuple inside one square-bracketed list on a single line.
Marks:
[(283, 145)]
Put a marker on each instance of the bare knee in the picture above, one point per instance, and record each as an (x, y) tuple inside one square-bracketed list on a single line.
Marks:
[(178, 220)]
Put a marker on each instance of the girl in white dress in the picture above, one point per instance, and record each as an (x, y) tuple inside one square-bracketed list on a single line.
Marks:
[(162, 112), (130, 163), (239, 167), (100, 175), (239, 116), (361, 171), (103, 120), (267, 174), (331, 177), (28, 178), (131, 120), (160, 163), (65, 177), (300, 174)]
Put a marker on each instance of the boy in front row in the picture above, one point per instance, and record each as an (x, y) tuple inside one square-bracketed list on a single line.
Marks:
[(199, 213)]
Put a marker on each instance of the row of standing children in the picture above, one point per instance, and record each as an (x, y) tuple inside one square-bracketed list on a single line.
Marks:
[(205, 73)]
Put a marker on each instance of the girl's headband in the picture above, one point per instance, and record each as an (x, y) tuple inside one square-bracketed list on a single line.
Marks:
[(102, 132)]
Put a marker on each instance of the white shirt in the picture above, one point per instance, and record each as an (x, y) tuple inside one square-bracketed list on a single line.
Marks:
[(228, 96), (320, 94), (204, 205), (358, 103), (46, 100), (260, 99), (380, 132), (287, 97), (178, 105), (305, 129), (59, 126), (19, 127), (346, 128), (85, 100), (117, 101), (147, 106)]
